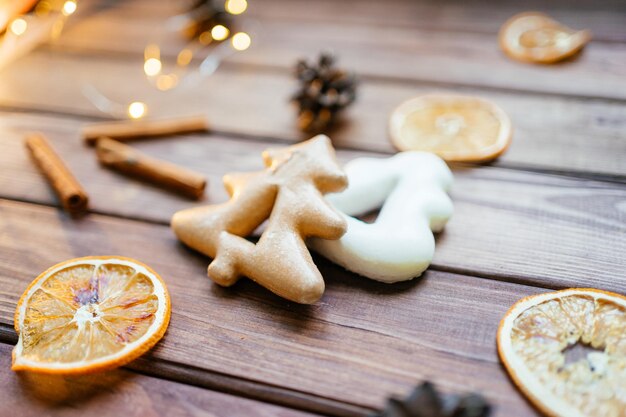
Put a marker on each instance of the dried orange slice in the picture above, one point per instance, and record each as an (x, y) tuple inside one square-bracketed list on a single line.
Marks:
[(535, 37), (89, 314), (457, 128), (534, 335)]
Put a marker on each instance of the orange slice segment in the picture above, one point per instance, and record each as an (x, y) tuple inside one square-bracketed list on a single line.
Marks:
[(535, 37), (457, 128), (90, 314), (534, 335)]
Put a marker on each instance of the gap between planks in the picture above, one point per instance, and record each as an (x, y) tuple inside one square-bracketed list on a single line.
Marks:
[(393, 44), (120, 392), (513, 279), (236, 386), (530, 214), (378, 78), (242, 136), (347, 328), (481, 18), (452, 17), (552, 209)]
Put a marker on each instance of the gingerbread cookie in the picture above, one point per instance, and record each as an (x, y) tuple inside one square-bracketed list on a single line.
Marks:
[(411, 188), (288, 193)]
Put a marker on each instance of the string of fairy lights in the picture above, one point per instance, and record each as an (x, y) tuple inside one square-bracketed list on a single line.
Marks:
[(19, 25), (205, 49), (24, 31), (212, 40)]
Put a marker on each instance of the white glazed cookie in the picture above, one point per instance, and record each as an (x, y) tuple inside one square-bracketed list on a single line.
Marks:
[(411, 188)]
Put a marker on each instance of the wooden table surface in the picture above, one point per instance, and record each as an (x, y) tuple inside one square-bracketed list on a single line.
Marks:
[(549, 214)]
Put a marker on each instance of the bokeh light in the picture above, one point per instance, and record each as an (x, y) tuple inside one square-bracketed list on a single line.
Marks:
[(205, 38), (152, 51), (184, 57), (220, 32), (69, 7), (241, 41), (236, 6), (166, 82), (43, 8), (19, 26), (137, 109), (152, 66)]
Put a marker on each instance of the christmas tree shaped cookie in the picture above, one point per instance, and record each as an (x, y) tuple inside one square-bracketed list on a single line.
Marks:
[(289, 194)]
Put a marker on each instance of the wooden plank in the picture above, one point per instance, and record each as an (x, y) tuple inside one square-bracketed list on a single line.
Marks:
[(117, 393), (361, 343), (605, 19), (440, 57), (550, 132), (525, 227), (385, 51)]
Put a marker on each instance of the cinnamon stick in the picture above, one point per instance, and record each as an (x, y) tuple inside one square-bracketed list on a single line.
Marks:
[(72, 195), (123, 158), (129, 130)]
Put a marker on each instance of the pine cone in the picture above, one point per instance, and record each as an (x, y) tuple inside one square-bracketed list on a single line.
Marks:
[(324, 91), (424, 401)]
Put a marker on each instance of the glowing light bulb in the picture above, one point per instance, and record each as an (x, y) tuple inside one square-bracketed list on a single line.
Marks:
[(184, 57), (236, 6), (137, 109), (205, 38), (18, 26), (220, 32), (152, 51), (241, 41), (43, 8), (57, 28), (152, 66), (69, 7), (166, 81)]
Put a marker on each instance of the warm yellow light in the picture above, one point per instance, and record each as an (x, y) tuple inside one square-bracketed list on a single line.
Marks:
[(219, 32), (136, 110), (152, 66), (43, 8), (184, 57), (57, 28), (18, 26), (152, 51), (205, 38), (241, 41), (236, 6), (69, 7), (166, 81)]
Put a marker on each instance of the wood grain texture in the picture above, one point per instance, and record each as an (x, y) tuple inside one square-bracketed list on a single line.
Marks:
[(514, 233), (605, 19), (531, 228), (117, 393), (362, 342), (448, 58), (382, 51), (552, 133)]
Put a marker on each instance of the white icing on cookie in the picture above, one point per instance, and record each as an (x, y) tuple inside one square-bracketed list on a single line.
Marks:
[(411, 188)]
